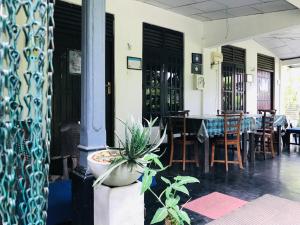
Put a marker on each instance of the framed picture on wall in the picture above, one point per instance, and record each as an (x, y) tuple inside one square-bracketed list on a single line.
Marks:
[(197, 58), (196, 68), (74, 62), (134, 63), (199, 82)]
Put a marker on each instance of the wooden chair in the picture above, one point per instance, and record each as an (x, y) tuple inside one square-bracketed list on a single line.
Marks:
[(179, 135), (264, 138), (232, 137)]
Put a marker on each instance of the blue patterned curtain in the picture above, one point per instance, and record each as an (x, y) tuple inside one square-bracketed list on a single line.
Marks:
[(26, 51)]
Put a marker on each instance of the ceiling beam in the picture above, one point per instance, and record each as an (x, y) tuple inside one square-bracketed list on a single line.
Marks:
[(290, 62), (295, 3), (228, 31)]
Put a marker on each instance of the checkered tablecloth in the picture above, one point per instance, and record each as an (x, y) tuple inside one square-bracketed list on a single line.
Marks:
[(280, 120), (214, 125)]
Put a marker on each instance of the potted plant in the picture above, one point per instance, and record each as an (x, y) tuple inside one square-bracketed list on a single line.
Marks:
[(121, 167), (170, 212)]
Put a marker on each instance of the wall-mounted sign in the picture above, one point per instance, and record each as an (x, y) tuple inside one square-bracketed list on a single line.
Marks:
[(74, 62), (197, 58), (199, 82), (196, 68), (134, 63)]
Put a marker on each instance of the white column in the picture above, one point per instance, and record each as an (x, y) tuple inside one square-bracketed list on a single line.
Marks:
[(92, 132)]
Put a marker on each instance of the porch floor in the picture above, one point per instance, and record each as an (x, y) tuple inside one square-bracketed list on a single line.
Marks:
[(279, 177)]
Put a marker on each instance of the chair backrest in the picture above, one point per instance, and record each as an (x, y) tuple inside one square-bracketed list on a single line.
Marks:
[(220, 112), (177, 123), (268, 119), (232, 125), (180, 113)]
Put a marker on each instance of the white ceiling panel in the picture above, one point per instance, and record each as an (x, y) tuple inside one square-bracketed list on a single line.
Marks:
[(243, 11), (285, 44), (219, 9), (209, 6), (216, 15), (178, 3), (198, 17), (274, 6), (186, 10), (237, 3), (156, 3)]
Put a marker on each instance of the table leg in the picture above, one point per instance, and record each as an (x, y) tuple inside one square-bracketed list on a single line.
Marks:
[(252, 146), (288, 147), (206, 156), (244, 147), (279, 140)]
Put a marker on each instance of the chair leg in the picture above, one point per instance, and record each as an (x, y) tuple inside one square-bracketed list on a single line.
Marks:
[(184, 155), (264, 148), (240, 156), (196, 147), (226, 157), (171, 152), (272, 147), (212, 155)]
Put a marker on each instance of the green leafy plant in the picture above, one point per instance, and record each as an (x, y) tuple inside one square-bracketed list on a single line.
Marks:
[(169, 198), (136, 150)]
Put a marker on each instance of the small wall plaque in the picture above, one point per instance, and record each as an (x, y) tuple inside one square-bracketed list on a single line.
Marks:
[(196, 68), (197, 58), (74, 62), (134, 63)]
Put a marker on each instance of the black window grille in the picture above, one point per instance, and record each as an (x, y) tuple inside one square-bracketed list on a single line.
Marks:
[(162, 71), (233, 79)]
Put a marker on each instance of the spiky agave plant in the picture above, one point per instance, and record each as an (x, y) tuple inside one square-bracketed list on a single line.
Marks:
[(136, 151)]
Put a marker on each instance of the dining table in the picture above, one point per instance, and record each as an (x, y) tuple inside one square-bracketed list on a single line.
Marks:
[(208, 126)]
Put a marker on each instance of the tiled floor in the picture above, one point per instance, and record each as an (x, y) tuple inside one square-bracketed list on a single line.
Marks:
[(279, 177)]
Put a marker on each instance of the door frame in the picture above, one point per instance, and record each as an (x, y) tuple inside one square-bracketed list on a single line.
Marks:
[(76, 31), (267, 63), (272, 86)]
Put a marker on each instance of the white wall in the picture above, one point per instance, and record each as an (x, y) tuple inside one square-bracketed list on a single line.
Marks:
[(129, 18), (212, 92)]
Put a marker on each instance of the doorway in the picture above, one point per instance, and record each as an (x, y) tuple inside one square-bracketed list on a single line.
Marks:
[(163, 78), (234, 79), (67, 72), (264, 90), (265, 82)]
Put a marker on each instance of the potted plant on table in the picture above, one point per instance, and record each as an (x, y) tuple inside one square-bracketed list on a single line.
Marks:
[(121, 167)]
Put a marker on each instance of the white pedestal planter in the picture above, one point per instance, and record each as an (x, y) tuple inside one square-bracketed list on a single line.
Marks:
[(119, 205)]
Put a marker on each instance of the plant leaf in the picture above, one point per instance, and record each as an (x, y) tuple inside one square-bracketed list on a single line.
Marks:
[(152, 157), (147, 179), (174, 214), (168, 192), (154, 147), (181, 188), (184, 216), (182, 180), (172, 202), (165, 180), (160, 215)]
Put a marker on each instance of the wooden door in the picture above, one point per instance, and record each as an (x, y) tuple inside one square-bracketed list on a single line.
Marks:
[(67, 86), (163, 80), (233, 79), (109, 81), (264, 89)]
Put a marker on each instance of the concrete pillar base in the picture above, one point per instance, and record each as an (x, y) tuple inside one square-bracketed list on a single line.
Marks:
[(119, 205)]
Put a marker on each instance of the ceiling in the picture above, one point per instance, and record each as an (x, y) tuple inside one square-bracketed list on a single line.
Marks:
[(207, 10), (285, 44)]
